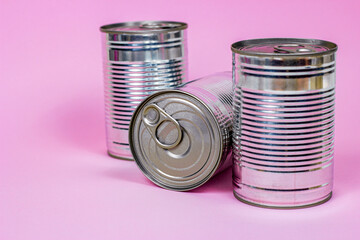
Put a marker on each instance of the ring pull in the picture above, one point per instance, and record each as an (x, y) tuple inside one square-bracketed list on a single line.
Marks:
[(151, 25), (155, 25), (153, 117), (297, 48)]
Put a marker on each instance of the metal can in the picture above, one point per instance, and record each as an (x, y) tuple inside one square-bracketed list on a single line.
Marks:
[(284, 102), (181, 138), (139, 58)]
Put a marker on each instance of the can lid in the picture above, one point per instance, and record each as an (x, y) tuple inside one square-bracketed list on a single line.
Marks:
[(283, 47), (143, 27), (175, 140)]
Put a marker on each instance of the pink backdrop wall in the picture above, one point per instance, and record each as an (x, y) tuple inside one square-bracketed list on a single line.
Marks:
[(56, 182)]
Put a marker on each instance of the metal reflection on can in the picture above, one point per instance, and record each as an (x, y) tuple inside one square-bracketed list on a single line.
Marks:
[(181, 138), (139, 58), (284, 102)]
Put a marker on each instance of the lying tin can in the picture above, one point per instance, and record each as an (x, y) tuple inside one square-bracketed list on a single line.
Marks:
[(181, 138), (139, 58), (283, 139)]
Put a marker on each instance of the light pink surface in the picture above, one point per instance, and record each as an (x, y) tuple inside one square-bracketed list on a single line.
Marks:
[(56, 181)]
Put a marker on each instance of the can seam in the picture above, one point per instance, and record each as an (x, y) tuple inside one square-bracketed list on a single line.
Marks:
[(234, 48), (118, 157), (105, 28), (327, 198)]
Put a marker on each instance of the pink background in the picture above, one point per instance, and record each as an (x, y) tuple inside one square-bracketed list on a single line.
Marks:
[(56, 181)]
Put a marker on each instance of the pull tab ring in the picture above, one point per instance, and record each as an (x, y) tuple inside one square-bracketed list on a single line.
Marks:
[(156, 26), (153, 116), (299, 48)]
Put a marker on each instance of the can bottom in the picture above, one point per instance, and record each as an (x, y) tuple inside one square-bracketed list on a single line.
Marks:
[(323, 200), (119, 157)]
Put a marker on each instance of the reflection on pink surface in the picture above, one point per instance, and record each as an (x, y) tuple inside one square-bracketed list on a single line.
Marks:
[(56, 181)]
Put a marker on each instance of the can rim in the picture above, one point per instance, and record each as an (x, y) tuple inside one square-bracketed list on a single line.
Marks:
[(108, 27), (143, 169), (332, 47), (255, 204)]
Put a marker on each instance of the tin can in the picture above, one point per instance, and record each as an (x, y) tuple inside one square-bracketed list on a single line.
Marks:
[(181, 138), (139, 58), (284, 102)]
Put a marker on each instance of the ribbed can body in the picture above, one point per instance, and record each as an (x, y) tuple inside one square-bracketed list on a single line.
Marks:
[(216, 92), (283, 139), (139, 59)]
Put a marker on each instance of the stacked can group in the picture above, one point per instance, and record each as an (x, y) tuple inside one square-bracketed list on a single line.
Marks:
[(139, 58), (284, 103), (181, 138)]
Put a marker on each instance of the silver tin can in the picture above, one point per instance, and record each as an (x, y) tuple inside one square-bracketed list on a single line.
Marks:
[(181, 138), (139, 58), (284, 96)]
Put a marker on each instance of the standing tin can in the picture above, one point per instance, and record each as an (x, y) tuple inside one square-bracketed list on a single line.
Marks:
[(139, 58), (284, 103), (181, 138)]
